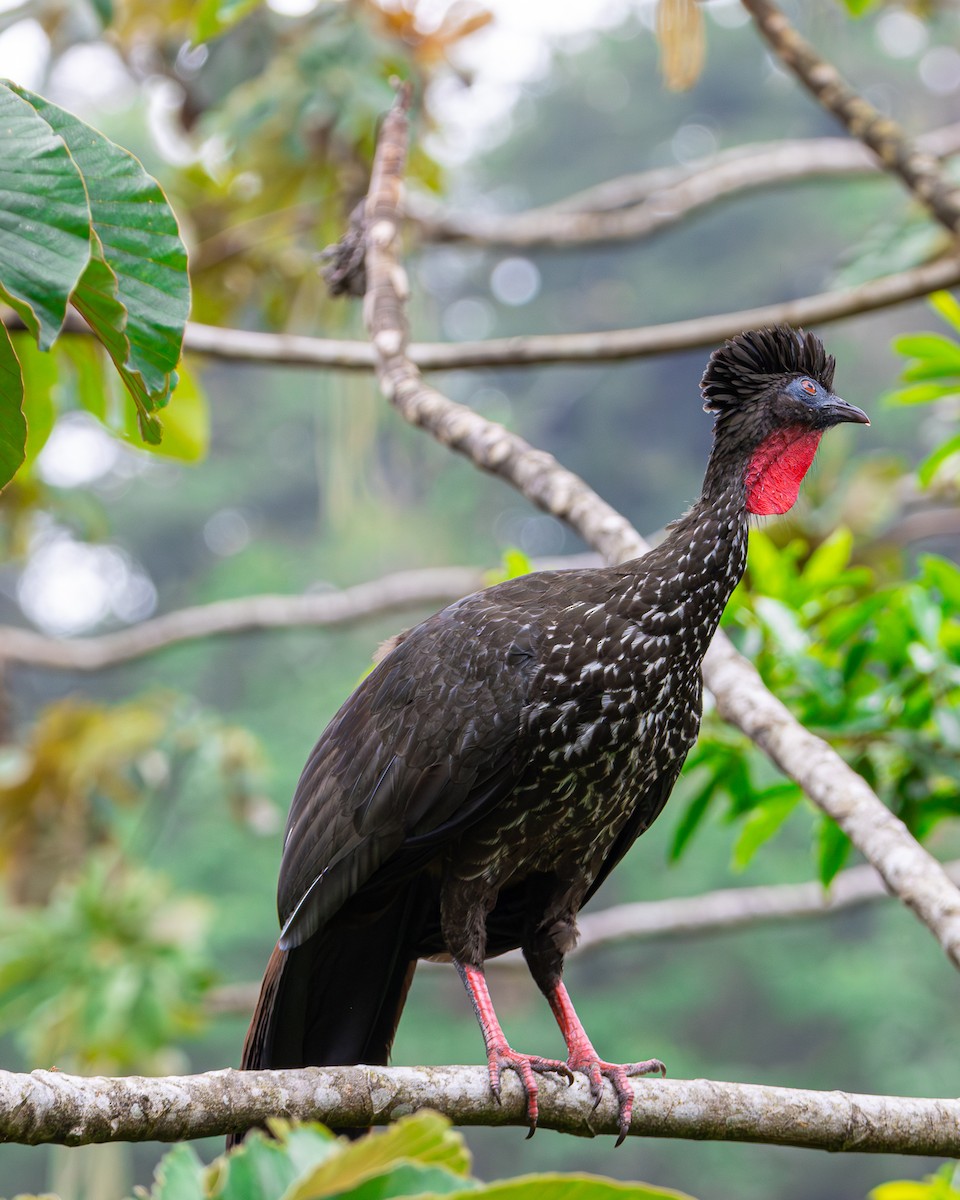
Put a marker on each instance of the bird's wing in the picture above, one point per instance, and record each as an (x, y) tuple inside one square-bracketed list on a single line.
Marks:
[(423, 748)]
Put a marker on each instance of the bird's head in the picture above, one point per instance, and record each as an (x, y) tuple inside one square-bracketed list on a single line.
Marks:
[(772, 393)]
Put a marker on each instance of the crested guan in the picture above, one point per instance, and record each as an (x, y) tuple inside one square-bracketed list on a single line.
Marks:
[(487, 776)]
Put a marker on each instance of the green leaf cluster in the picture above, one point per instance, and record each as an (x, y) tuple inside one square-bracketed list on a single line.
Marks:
[(933, 373), (82, 223), (109, 974), (873, 668), (941, 1186), (418, 1156)]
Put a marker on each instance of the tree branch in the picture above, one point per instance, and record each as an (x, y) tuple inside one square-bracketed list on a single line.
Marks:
[(644, 209), (898, 155), (684, 916), (425, 586), (49, 1106), (906, 868), (616, 345), (392, 593)]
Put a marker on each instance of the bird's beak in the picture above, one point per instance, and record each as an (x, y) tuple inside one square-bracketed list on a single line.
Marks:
[(836, 411)]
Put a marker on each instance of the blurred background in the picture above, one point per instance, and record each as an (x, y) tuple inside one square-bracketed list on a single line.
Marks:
[(142, 806)]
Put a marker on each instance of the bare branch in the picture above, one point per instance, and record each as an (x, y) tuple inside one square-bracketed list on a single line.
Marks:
[(919, 170), (48, 1106), (616, 345), (393, 593), (423, 587), (685, 916), (625, 190), (734, 908), (906, 868), (683, 193)]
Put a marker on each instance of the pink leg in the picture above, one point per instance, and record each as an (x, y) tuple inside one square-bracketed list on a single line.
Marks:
[(500, 1056), (583, 1057)]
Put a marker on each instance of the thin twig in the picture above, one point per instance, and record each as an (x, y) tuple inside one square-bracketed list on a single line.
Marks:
[(898, 154), (663, 206), (48, 1106), (908, 870)]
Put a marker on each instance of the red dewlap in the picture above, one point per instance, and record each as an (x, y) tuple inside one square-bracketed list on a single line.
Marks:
[(777, 469)]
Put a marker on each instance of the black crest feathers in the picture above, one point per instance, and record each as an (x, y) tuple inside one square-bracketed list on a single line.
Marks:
[(749, 362)]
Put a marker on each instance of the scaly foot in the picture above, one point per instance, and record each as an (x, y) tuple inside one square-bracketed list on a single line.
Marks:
[(501, 1058), (596, 1070)]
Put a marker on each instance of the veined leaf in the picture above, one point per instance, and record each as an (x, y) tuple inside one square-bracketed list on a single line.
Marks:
[(140, 240), (135, 291), (44, 218)]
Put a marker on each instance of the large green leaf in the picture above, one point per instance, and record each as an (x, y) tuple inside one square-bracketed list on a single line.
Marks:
[(44, 218), (40, 373), (13, 427), (567, 1187), (425, 1138), (179, 1176), (134, 291)]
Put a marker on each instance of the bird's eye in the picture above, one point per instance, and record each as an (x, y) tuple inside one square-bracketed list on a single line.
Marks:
[(809, 387)]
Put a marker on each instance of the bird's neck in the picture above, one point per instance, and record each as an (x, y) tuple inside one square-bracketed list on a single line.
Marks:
[(690, 575)]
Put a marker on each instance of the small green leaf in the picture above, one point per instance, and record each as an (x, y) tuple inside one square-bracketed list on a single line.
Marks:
[(13, 427), (921, 393), (215, 16), (693, 814), (932, 347), (763, 822), (833, 849), (947, 305), (44, 218), (829, 559), (933, 462)]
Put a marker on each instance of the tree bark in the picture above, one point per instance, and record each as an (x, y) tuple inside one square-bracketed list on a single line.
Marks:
[(50, 1106)]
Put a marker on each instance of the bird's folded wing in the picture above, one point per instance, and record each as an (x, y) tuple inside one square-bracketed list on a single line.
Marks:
[(421, 750)]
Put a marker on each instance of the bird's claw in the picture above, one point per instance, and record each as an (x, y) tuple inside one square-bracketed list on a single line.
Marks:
[(596, 1070), (527, 1066)]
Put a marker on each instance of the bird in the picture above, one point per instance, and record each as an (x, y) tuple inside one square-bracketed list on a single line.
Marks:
[(484, 779)]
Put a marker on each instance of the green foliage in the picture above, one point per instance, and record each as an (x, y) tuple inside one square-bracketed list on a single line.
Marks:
[(933, 373), (418, 1156), (513, 564), (64, 789), (941, 1186), (857, 8), (213, 17), (108, 974), (873, 668), (85, 224)]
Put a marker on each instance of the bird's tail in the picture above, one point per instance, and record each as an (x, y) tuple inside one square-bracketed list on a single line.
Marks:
[(336, 999)]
